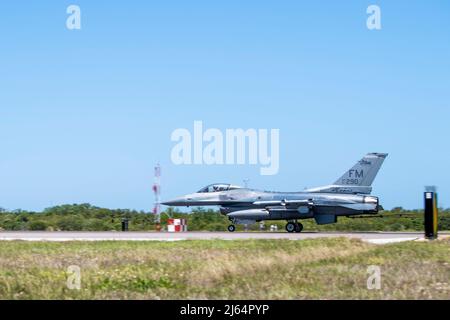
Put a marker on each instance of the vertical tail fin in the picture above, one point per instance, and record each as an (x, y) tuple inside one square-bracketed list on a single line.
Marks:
[(364, 172)]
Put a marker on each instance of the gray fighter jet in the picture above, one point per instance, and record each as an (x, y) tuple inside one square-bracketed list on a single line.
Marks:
[(348, 196)]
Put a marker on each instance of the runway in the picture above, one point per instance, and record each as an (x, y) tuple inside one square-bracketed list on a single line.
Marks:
[(372, 237)]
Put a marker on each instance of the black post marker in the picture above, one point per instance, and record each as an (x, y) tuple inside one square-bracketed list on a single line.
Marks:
[(124, 224), (431, 215)]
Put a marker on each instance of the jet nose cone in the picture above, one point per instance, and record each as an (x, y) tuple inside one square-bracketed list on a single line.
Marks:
[(175, 202), (168, 203)]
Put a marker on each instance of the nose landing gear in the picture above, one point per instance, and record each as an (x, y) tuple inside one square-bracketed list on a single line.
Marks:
[(292, 227), (231, 228)]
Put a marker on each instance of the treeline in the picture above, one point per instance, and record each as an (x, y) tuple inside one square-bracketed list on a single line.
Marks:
[(85, 217)]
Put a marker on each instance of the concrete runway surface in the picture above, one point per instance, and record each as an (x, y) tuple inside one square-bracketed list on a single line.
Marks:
[(372, 237)]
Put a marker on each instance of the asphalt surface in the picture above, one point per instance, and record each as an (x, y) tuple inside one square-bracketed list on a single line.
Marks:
[(375, 237)]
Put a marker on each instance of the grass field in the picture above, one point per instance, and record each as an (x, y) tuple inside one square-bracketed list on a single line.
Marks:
[(253, 269)]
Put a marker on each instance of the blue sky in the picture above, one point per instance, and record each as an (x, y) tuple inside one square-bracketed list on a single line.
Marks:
[(85, 114)]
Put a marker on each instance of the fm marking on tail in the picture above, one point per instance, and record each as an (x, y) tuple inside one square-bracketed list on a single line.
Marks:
[(356, 173)]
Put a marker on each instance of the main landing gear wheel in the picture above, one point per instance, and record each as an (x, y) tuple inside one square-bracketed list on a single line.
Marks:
[(290, 227), (231, 228), (298, 227)]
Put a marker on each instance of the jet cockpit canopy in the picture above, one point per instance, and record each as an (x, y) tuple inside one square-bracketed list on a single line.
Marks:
[(218, 187)]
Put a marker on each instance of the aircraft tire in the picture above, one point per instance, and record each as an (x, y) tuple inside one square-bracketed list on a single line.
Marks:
[(290, 227), (231, 228), (298, 227)]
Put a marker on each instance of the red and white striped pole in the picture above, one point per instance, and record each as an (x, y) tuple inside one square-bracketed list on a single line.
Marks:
[(157, 192)]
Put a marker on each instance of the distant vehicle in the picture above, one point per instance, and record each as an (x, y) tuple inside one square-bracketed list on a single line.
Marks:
[(348, 196)]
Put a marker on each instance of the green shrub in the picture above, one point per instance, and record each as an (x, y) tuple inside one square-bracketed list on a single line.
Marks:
[(37, 225), (69, 223)]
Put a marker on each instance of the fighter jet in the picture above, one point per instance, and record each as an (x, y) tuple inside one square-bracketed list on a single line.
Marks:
[(348, 196)]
